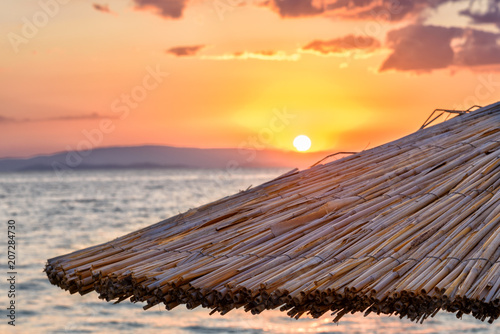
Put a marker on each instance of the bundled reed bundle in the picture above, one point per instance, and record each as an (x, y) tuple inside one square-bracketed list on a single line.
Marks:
[(407, 228)]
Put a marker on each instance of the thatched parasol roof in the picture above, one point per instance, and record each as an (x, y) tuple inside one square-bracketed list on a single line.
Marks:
[(406, 228)]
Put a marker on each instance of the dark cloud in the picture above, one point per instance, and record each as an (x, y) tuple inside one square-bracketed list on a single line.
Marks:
[(296, 8), (378, 10), (350, 4), (101, 8), (167, 8), (420, 48), (478, 48), (90, 116), (383, 10), (185, 51), (342, 44), (425, 48), (490, 14), (484, 11)]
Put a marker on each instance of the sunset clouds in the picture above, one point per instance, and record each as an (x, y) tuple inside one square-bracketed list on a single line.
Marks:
[(101, 8), (414, 46), (185, 51), (260, 55), (167, 8), (478, 48), (341, 45), (423, 48), (484, 13), (480, 12), (352, 72), (294, 8), (384, 10), (420, 48)]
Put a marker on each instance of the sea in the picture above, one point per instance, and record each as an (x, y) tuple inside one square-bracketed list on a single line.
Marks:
[(57, 214)]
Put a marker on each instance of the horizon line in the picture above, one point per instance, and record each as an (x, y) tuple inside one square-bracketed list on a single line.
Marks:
[(36, 155)]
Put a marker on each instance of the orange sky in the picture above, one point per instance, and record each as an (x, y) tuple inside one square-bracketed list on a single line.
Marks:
[(232, 73)]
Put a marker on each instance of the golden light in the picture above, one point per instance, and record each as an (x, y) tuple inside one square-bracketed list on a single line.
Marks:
[(302, 143)]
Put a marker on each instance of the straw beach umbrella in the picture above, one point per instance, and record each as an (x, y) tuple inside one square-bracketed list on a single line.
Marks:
[(407, 228)]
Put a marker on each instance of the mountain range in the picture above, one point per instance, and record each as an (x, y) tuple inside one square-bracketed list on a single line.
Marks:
[(155, 156)]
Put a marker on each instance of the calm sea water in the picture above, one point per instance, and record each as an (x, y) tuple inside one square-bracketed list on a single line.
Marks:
[(56, 216)]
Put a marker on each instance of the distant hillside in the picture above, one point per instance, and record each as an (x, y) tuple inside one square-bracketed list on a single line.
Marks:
[(161, 157)]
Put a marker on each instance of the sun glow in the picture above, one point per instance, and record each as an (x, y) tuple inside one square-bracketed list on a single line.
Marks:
[(302, 143)]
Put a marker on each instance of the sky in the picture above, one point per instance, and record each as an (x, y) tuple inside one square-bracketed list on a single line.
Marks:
[(349, 74)]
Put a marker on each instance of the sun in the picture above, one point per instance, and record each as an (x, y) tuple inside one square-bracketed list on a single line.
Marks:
[(302, 143)]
